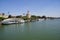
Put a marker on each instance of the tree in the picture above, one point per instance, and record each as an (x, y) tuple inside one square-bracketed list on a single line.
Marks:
[(44, 17), (9, 16), (33, 17), (38, 17)]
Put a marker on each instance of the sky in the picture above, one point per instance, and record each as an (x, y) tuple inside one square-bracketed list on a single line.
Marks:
[(36, 7)]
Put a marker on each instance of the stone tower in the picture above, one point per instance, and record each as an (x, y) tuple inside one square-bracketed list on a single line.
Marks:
[(28, 15)]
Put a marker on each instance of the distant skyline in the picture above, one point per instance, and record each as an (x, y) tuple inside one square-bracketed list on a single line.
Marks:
[(36, 7)]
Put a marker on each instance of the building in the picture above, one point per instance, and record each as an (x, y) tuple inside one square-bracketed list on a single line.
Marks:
[(3, 15), (28, 15)]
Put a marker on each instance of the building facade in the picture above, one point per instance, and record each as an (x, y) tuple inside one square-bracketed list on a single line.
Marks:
[(3, 15)]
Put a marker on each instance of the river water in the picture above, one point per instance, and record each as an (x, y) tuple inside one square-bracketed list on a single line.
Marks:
[(39, 30)]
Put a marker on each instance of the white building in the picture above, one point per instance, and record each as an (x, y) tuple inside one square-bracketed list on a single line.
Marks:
[(4, 16)]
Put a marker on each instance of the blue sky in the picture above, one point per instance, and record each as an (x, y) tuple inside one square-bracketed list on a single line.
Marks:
[(36, 7)]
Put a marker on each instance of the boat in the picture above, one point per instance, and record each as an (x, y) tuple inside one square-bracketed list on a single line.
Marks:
[(13, 21)]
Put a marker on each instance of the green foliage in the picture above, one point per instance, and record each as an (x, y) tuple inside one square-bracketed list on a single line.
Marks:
[(1, 18), (43, 16), (24, 17), (33, 17), (9, 16)]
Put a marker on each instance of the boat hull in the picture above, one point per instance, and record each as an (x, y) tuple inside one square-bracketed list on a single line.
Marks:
[(14, 21)]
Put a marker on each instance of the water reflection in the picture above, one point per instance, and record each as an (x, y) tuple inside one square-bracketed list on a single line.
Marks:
[(20, 27), (28, 27), (23, 27), (0, 26), (43, 30), (17, 27)]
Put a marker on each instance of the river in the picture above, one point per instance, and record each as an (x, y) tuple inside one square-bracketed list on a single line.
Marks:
[(39, 30)]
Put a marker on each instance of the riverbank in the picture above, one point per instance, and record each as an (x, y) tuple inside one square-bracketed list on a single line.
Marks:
[(32, 19), (16, 21)]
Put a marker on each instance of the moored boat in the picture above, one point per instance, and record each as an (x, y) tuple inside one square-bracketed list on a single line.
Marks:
[(12, 21)]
